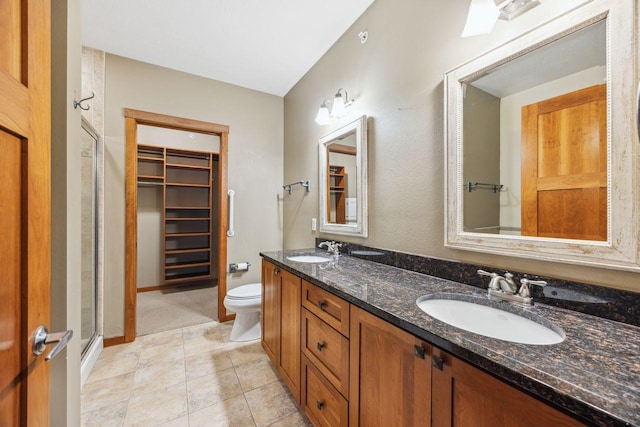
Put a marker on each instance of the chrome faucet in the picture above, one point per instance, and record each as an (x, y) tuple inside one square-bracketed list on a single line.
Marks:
[(332, 247), (505, 287)]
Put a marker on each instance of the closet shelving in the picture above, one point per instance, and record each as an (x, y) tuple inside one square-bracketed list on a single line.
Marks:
[(150, 165), (337, 184), (187, 212)]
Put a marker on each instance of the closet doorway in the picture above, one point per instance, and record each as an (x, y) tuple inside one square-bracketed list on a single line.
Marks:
[(176, 213)]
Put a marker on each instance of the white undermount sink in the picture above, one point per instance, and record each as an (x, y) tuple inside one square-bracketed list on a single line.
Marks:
[(308, 258), (473, 315)]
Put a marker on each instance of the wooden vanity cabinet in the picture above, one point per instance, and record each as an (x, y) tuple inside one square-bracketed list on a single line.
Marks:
[(390, 374), (281, 323), (464, 395), (347, 367), (325, 357)]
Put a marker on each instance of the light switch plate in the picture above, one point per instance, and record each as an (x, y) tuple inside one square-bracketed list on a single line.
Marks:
[(314, 224)]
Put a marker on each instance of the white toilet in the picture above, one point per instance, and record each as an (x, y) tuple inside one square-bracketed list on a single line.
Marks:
[(246, 302)]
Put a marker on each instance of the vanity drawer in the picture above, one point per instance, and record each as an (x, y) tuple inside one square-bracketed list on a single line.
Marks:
[(328, 307), (327, 349), (322, 403)]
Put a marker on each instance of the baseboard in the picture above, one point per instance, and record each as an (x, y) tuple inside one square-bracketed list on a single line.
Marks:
[(226, 318), (109, 342)]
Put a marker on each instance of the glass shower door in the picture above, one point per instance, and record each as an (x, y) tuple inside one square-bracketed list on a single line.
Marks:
[(89, 244)]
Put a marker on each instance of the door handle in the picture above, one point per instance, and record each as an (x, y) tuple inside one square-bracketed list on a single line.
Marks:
[(43, 337)]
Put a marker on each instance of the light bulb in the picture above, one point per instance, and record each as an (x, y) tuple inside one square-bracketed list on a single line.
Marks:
[(323, 115), (338, 109), (483, 15)]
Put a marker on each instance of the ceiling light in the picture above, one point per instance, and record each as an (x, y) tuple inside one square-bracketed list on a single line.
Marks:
[(483, 14)]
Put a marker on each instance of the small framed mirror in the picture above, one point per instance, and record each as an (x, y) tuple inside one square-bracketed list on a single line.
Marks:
[(343, 180), (541, 144)]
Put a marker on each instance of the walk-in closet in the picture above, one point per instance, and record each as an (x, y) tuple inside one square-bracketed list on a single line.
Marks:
[(177, 232)]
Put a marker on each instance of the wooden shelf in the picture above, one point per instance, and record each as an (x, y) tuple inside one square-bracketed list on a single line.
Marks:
[(193, 208), (337, 195), (184, 176), (160, 178), (180, 166), (186, 265), (186, 251), (186, 234), (176, 184), (150, 159)]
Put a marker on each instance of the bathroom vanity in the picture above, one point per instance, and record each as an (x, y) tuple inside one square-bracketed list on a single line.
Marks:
[(353, 347)]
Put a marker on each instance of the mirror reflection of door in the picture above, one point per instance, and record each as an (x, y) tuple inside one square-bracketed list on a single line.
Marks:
[(564, 166), (341, 181), (535, 134)]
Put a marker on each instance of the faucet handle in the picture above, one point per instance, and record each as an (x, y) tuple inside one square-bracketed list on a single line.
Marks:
[(487, 273), (524, 291)]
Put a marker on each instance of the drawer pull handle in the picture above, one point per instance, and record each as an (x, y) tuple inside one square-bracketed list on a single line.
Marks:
[(319, 405), (320, 346), (322, 305), (437, 362)]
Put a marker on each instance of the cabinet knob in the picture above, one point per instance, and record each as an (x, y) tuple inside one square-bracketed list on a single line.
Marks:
[(322, 305), (276, 270), (320, 346), (319, 405)]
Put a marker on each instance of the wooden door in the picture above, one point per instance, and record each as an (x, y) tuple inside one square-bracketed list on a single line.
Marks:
[(564, 166), (271, 311), (390, 375), (466, 396), (25, 206), (290, 292)]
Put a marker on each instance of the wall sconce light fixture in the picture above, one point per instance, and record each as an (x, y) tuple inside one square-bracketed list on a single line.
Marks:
[(336, 109), (483, 14)]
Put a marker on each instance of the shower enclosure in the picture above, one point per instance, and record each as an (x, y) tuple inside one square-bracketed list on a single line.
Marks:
[(90, 160)]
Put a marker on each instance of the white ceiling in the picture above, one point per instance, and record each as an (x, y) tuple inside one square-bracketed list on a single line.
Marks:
[(263, 45), (573, 53)]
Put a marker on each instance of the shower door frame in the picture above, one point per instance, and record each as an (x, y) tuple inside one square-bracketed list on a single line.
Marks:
[(133, 118), (97, 231)]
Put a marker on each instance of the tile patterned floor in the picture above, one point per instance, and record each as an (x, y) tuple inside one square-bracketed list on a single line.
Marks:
[(188, 377)]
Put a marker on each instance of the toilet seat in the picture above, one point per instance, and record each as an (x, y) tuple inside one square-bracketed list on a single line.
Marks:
[(244, 292)]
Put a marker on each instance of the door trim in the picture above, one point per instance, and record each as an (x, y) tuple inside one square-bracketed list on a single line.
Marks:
[(133, 118)]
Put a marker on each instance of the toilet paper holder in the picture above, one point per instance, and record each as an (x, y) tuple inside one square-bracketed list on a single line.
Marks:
[(239, 266)]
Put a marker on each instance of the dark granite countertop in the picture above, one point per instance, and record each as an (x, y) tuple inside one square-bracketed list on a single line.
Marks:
[(593, 374)]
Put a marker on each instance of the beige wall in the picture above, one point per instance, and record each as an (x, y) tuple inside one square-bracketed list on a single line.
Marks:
[(93, 83), (255, 162), (65, 210), (396, 79), (481, 130)]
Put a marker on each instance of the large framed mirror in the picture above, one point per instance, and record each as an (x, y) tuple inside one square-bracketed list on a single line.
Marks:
[(542, 151), (343, 180)]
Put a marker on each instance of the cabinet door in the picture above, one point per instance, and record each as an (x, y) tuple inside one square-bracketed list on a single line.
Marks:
[(271, 311), (289, 366), (466, 396), (390, 375)]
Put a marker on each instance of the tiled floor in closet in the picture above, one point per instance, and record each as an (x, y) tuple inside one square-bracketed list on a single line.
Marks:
[(192, 377)]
